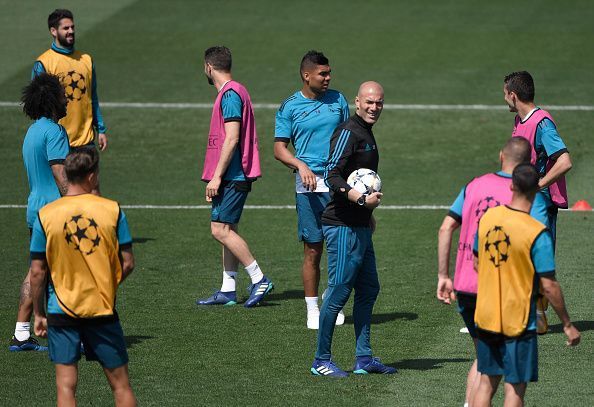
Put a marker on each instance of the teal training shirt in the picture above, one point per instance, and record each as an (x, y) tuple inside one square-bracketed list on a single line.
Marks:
[(46, 143), (309, 123)]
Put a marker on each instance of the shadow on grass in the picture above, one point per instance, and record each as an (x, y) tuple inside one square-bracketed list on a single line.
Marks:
[(383, 318), (285, 295), (426, 364), (582, 326), (136, 339), (140, 240)]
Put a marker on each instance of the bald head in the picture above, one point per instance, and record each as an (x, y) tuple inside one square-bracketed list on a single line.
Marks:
[(370, 101), (517, 150)]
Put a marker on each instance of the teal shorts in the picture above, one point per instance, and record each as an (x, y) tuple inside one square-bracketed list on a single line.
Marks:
[(310, 206), (102, 342), (466, 306), (515, 359), (227, 206)]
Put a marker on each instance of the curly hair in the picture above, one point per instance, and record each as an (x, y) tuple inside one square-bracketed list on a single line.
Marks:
[(44, 97)]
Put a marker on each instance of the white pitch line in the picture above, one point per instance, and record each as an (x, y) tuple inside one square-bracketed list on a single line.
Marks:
[(274, 106), (263, 207)]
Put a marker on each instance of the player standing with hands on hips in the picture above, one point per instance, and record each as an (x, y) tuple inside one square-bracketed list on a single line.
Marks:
[(348, 224)]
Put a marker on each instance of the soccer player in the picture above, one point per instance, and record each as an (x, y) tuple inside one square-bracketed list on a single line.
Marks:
[(513, 252), (348, 226), (549, 155), (81, 251), (76, 69), (307, 119), (44, 150), (482, 193), (231, 164)]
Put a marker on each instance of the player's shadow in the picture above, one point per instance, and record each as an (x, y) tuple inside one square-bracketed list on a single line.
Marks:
[(426, 364), (582, 326), (387, 317), (141, 240), (285, 295), (133, 340)]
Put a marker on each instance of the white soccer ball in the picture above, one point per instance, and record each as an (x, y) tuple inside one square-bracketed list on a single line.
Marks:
[(365, 181)]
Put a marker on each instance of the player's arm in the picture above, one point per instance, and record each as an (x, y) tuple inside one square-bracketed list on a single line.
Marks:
[(285, 156), (97, 116), (127, 261), (39, 270), (543, 259), (282, 136), (452, 221), (60, 177), (445, 290), (126, 254), (556, 151), (38, 69)]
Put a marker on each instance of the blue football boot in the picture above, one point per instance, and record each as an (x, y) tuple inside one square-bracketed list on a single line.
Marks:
[(30, 344), (369, 364), (326, 368), (258, 291), (219, 298)]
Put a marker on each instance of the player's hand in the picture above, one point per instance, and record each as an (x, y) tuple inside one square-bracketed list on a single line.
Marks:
[(41, 326), (102, 141), (445, 290), (212, 188), (308, 178), (573, 335), (373, 200)]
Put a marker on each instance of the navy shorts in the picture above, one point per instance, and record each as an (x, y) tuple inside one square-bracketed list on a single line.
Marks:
[(227, 206), (102, 342), (515, 359), (466, 306), (310, 206)]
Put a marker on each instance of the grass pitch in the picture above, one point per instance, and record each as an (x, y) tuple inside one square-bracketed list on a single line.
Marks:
[(427, 53)]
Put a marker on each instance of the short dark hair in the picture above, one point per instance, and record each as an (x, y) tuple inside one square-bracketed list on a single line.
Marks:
[(518, 150), (44, 97), (53, 21), (80, 163), (219, 57), (525, 179), (312, 58), (522, 84)]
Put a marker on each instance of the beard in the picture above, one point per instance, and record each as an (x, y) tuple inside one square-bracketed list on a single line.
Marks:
[(209, 79), (64, 41)]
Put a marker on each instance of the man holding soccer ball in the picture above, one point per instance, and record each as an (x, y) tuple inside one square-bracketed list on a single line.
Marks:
[(348, 224)]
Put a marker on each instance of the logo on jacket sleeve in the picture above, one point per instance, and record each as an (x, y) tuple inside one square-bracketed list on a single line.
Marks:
[(81, 234)]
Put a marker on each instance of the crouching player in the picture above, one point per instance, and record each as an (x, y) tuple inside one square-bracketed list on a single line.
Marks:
[(81, 250), (513, 253)]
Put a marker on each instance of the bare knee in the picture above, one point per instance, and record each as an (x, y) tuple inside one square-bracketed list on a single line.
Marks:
[(220, 231), (313, 252)]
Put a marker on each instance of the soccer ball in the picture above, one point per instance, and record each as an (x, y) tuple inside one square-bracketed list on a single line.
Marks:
[(365, 181)]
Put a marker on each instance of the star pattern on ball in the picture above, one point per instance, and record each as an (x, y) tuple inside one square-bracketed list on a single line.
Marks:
[(497, 245), (82, 234), (74, 85)]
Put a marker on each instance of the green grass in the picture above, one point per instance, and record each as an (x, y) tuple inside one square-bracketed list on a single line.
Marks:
[(427, 52)]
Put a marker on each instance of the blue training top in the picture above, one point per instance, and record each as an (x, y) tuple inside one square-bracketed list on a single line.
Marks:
[(39, 243), (309, 123), (232, 107), (46, 143)]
